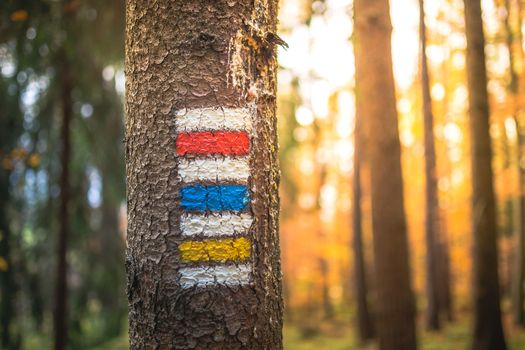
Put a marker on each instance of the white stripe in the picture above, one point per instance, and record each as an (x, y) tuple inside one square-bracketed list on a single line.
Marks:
[(215, 224), (208, 119), (214, 169), (212, 275)]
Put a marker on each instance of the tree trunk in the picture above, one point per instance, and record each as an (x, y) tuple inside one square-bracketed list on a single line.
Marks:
[(61, 278), (375, 86), (519, 231), (202, 175), (6, 271), (518, 273), (328, 310), (432, 207), (444, 284), (488, 330), (364, 320)]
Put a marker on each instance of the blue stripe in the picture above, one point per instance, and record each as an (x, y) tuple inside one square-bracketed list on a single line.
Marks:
[(214, 197)]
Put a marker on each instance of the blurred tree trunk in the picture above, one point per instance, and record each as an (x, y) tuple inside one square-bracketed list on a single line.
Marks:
[(324, 268), (375, 88), (63, 214), (112, 253), (444, 274), (186, 61), (328, 310), (364, 320), (431, 195), (6, 271), (518, 273), (488, 331), (444, 283)]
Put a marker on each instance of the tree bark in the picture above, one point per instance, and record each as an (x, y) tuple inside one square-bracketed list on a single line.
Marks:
[(364, 320), (203, 247), (63, 218), (518, 273), (6, 273), (328, 310), (444, 284), (488, 330), (375, 86), (431, 196), (444, 273)]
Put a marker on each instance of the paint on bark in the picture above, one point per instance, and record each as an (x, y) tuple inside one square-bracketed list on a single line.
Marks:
[(203, 257)]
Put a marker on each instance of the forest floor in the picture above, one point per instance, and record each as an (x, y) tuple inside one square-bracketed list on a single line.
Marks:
[(340, 335)]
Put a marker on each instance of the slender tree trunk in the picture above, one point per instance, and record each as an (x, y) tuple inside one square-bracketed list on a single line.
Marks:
[(445, 276), (518, 273), (519, 231), (432, 207), (6, 271), (364, 320), (375, 86), (488, 330), (324, 268), (328, 310), (202, 175), (63, 214), (444, 284)]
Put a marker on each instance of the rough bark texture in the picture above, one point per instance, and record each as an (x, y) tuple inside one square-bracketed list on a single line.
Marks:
[(431, 195), (61, 277), (184, 55), (375, 86), (488, 331), (364, 320)]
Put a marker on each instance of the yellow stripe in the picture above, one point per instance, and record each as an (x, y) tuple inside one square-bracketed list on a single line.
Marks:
[(236, 249)]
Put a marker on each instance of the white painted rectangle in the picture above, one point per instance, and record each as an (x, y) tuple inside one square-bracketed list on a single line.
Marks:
[(215, 224), (212, 118), (229, 275), (214, 169)]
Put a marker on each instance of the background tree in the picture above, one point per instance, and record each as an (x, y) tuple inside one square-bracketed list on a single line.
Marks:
[(488, 331), (431, 195), (61, 295), (364, 319), (375, 82), (514, 87), (30, 47)]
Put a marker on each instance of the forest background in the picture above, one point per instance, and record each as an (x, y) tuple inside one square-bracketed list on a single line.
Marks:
[(316, 109)]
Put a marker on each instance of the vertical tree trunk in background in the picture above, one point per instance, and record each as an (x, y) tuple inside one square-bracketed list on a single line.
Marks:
[(61, 277), (324, 268), (488, 331), (431, 195), (444, 285), (202, 175), (6, 271), (364, 321), (328, 310), (375, 87), (518, 273)]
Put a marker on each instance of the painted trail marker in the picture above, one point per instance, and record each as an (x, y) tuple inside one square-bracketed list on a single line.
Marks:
[(213, 160)]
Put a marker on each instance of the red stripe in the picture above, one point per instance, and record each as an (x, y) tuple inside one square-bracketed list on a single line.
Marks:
[(217, 142)]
